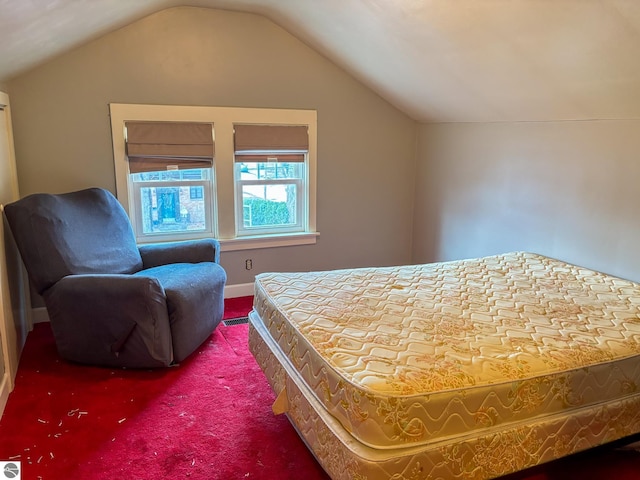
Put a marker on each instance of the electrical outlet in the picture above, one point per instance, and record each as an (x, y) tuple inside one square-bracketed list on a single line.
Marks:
[(248, 264)]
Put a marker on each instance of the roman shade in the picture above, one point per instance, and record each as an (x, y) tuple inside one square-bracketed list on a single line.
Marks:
[(155, 146), (270, 143)]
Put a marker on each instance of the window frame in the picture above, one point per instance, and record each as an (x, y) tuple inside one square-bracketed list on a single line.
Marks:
[(223, 181)]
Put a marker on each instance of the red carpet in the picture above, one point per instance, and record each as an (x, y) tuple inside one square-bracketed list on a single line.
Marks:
[(209, 418)]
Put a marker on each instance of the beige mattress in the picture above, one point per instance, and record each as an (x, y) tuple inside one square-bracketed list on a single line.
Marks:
[(402, 361)]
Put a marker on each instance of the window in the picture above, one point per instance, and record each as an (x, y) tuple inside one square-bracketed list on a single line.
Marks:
[(166, 161), (196, 193), (270, 197), (165, 202), (244, 176), (270, 178)]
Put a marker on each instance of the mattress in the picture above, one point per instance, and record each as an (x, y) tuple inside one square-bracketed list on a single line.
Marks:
[(514, 355)]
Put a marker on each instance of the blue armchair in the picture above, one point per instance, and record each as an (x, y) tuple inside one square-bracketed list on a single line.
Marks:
[(111, 302)]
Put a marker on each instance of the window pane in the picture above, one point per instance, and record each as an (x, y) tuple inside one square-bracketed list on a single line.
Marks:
[(172, 209), (270, 170), (172, 175), (269, 205)]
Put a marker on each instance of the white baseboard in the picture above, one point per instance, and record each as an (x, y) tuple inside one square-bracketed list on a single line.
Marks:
[(238, 290), (39, 314)]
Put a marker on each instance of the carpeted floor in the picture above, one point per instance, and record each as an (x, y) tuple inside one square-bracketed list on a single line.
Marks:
[(209, 418)]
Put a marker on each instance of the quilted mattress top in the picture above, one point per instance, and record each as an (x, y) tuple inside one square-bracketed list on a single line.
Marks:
[(416, 354)]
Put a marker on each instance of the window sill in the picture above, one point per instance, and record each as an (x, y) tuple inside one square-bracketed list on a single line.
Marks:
[(271, 241)]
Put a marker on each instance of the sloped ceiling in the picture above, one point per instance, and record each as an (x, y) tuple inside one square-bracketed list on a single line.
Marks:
[(437, 60)]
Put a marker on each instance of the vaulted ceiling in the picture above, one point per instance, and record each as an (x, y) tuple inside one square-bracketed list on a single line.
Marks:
[(437, 60)]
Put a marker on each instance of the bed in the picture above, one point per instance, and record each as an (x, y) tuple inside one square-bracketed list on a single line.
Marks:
[(467, 369)]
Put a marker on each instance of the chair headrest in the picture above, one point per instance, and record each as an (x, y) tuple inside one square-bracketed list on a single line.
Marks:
[(86, 231)]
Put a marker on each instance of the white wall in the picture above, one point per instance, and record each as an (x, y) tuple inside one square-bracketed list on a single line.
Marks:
[(569, 190), (196, 56)]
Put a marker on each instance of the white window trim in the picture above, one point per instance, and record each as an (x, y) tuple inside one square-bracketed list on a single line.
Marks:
[(223, 119)]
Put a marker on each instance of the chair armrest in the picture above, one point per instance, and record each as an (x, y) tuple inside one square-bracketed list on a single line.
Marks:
[(191, 251), (111, 320)]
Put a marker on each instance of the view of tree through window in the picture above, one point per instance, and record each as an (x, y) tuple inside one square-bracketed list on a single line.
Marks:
[(270, 193)]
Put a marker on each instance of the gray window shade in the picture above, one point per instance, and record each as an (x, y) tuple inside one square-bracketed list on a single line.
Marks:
[(153, 146), (262, 143)]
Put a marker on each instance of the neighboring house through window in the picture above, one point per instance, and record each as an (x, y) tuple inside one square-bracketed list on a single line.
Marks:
[(244, 176)]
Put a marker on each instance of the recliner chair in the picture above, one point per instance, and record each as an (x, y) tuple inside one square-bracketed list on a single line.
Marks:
[(111, 302)]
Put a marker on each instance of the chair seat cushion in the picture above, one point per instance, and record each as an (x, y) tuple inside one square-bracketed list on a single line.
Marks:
[(195, 301)]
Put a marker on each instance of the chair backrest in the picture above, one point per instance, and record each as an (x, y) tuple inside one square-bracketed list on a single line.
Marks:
[(80, 232)]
